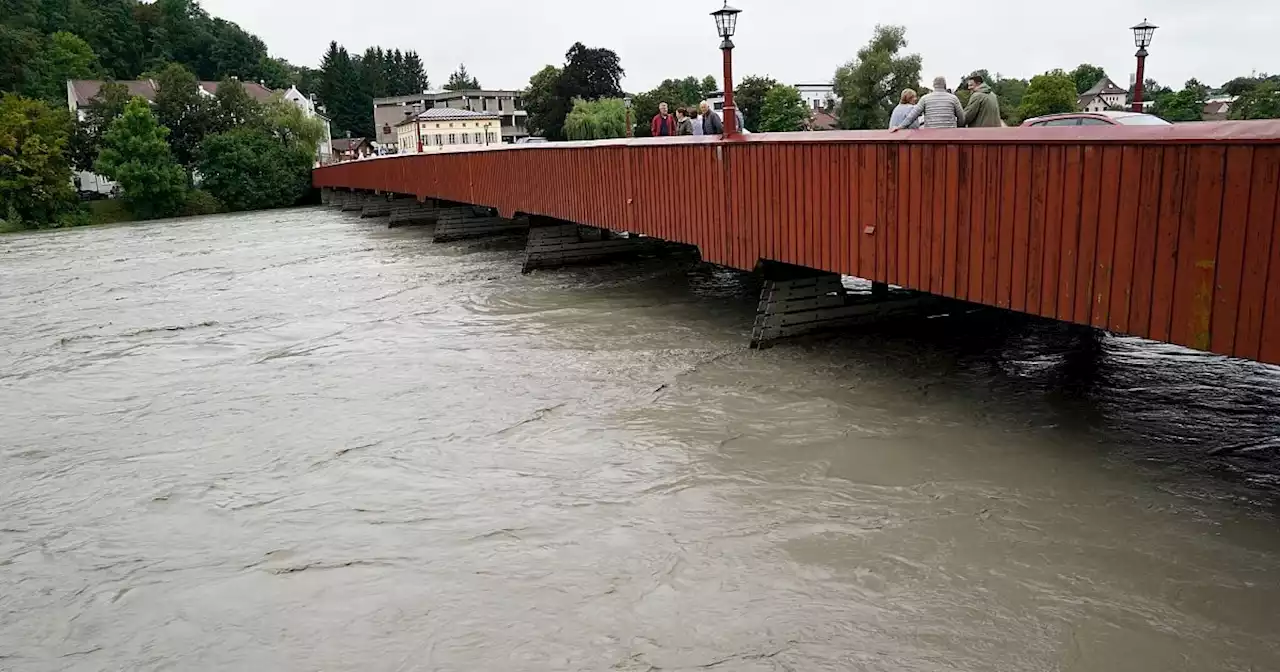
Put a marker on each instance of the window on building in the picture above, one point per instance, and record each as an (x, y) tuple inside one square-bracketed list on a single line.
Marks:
[(479, 139), (465, 139), (386, 129), (453, 139), (439, 140)]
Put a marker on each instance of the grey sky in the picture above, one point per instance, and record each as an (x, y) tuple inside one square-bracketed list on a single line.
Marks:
[(503, 42)]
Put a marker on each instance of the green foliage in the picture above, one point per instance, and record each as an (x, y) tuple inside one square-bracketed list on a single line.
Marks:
[(749, 96), (1185, 105), (870, 84), (103, 109), (687, 92), (596, 119), (1011, 92), (784, 110), (347, 85), (108, 211), (1086, 75), (188, 114), (461, 80), (64, 56), (1242, 85), (200, 202), (35, 175), (588, 73), (233, 106), (289, 125), (250, 169), (1053, 92), (136, 156), (1260, 102)]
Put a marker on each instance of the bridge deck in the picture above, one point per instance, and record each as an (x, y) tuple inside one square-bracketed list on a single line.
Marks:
[(1169, 233)]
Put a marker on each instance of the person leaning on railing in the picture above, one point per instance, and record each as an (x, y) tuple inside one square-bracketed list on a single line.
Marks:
[(937, 109)]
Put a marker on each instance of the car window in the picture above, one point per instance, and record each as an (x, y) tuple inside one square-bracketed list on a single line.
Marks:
[(1069, 121), (1143, 120), (1090, 121)]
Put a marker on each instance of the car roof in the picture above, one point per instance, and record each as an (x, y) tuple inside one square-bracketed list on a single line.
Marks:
[(1110, 114)]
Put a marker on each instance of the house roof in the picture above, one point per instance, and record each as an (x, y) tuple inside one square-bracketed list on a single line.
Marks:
[(823, 121), (1105, 87), (349, 144), (1086, 100), (86, 90), (450, 114)]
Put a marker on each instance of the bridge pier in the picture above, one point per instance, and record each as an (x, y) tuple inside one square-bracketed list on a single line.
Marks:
[(410, 211), (354, 202), (554, 243), (376, 206), (466, 222), (797, 300)]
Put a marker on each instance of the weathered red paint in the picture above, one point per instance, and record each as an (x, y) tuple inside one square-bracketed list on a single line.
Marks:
[(1171, 233)]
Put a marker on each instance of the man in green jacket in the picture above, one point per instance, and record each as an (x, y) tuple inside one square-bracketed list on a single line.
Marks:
[(984, 107)]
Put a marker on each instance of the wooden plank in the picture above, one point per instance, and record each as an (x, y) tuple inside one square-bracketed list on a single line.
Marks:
[(977, 221), (991, 239), (864, 246), (964, 194), (1258, 252), (1130, 200), (1238, 182), (1198, 245), (1009, 201), (1104, 259), (1086, 253), (901, 266), (928, 217), (1052, 239), (886, 158), (914, 229), (1021, 232), (1168, 230), (951, 221), (1144, 253)]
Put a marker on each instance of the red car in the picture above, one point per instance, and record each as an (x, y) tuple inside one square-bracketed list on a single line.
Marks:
[(1097, 119)]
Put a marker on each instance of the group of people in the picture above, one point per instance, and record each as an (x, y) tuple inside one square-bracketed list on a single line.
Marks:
[(941, 108), (703, 121)]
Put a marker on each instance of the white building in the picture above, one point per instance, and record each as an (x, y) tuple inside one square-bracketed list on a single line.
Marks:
[(1104, 95), (818, 96), (442, 128)]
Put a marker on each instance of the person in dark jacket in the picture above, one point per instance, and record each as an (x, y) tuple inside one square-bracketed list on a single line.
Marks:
[(663, 124), (983, 110), (684, 125), (711, 123)]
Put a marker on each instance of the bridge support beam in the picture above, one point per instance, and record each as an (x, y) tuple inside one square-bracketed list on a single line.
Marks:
[(554, 243), (466, 222), (326, 196), (798, 301), (354, 202), (410, 211), (376, 206)]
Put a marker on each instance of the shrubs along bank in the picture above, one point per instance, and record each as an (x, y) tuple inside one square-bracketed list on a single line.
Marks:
[(242, 154)]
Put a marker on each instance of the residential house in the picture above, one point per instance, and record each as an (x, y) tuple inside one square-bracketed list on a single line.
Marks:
[(441, 128), (1104, 95), (388, 113), (349, 149), (307, 104), (818, 96)]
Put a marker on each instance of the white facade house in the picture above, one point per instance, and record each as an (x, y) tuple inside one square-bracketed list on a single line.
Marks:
[(441, 128), (1104, 95), (817, 96), (308, 106)]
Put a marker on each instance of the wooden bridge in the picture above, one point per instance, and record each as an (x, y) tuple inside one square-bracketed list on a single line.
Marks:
[(1168, 233)]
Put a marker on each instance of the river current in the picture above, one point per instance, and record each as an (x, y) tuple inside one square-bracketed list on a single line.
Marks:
[(300, 441)]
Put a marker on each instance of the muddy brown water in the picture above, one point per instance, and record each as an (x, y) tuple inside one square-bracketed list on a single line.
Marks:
[(299, 441)]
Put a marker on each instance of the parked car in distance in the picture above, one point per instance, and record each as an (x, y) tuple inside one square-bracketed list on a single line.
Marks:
[(529, 140), (1109, 118)]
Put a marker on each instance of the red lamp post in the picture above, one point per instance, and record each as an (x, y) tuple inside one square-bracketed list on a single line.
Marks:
[(626, 102), (1142, 37), (726, 24), (417, 124)]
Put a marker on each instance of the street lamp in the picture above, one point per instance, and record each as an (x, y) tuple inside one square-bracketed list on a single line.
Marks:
[(1142, 38), (626, 102), (726, 24), (417, 124)]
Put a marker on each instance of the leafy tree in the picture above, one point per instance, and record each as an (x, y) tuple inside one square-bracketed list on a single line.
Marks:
[(185, 113), (233, 107), (1241, 85), (685, 92), (1011, 92), (136, 156), (340, 89), (709, 86), (749, 96), (35, 176), (461, 80), (596, 119), (286, 122), (18, 48), (1260, 102), (1051, 93), (414, 78), (1086, 75), (1185, 105), (64, 56), (539, 99), (1151, 90), (784, 110), (103, 109), (250, 169), (869, 84)]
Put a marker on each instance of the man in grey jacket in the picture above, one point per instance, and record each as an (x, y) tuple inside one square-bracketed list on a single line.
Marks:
[(936, 109)]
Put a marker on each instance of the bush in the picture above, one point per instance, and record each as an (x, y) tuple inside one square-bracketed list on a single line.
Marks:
[(200, 202), (110, 211), (136, 155), (249, 169)]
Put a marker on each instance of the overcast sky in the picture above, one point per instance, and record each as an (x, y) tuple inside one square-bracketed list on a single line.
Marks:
[(503, 42)]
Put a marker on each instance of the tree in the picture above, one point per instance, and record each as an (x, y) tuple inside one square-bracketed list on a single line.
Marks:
[(461, 80), (1010, 92), (1086, 75), (103, 109), (596, 119), (184, 112), (233, 107), (709, 86), (415, 76), (675, 93), (749, 96), (869, 85), (1051, 93), (64, 56), (35, 176), (136, 156), (250, 169), (539, 99), (784, 110), (287, 123), (340, 90), (1185, 105), (1260, 102), (1241, 85)]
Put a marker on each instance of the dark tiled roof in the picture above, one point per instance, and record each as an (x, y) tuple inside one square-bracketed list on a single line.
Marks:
[(86, 89), (451, 114), (348, 144), (1105, 86)]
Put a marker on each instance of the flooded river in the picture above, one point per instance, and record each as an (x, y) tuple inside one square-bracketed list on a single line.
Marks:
[(299, 441)]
